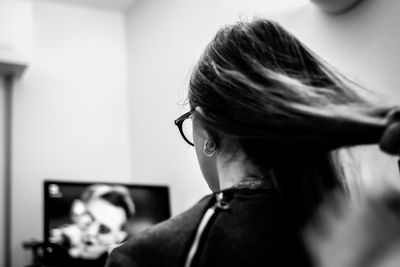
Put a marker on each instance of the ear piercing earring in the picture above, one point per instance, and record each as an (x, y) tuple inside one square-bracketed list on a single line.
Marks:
[(209, 148)]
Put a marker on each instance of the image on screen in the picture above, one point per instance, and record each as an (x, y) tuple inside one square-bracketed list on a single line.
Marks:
[(84, 221)]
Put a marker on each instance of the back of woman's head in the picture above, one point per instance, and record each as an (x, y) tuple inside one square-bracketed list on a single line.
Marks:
[(263, 92)]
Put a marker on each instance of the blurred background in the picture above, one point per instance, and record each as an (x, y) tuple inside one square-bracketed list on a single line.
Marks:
[(91, 88)]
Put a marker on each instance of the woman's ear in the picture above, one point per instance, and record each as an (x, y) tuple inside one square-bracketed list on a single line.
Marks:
[(209, 148)]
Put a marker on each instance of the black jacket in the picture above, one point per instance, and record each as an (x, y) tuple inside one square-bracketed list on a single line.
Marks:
[(254, 230)]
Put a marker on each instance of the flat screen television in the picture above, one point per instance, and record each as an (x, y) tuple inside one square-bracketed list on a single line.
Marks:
[(84, 221)]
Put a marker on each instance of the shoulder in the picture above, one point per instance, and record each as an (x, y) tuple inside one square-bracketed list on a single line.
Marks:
[(165, 241), (255, 227)]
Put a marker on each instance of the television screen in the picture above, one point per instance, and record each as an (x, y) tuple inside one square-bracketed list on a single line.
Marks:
[(83, 221)]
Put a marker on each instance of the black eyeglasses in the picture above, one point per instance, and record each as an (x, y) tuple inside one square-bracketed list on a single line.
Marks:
[(185, 127)]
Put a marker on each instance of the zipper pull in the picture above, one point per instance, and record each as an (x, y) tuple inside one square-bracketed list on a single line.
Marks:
[(221, 203)]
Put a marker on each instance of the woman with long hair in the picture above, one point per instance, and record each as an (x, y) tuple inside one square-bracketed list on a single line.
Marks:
[(268, 116)]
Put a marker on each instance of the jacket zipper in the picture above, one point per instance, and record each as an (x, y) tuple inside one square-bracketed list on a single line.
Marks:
[(219, 204)]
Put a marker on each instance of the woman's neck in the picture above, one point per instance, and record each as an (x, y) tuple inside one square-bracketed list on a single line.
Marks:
[(233, 171)]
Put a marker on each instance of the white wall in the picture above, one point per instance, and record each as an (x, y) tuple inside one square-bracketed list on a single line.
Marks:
[(70, 110), (15, 29), (363, 42)]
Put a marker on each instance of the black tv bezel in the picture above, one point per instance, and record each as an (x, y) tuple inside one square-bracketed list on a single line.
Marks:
[(46, 197)]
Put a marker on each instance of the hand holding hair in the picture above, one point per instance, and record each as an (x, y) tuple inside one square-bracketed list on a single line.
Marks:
[(349, 127)]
